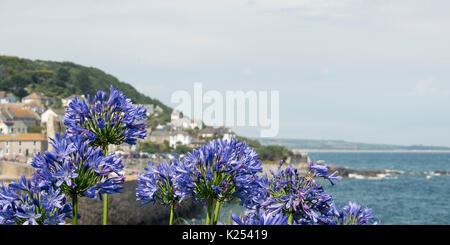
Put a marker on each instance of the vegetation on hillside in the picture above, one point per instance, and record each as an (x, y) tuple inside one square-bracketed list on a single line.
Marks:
[(61, 79), (58, 80)]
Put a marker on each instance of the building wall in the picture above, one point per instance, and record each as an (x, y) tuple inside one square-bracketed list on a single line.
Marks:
[(183, 139), (16, 128), (14, 148), (159, 139)]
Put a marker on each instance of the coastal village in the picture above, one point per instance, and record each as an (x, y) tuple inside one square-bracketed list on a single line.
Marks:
[(27, 124)]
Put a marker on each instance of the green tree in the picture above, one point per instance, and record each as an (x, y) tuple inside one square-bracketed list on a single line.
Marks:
[(84, 83), (62, 76), (16, 84)]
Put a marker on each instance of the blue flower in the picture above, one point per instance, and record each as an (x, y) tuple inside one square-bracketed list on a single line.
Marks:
[(322, 171), (65, 173), (81, 169), (156, 185), (299, 197), (103, 122), (260, 217), (29, 214), (220, 170), (353, 214), (32, 202), (109, 186)]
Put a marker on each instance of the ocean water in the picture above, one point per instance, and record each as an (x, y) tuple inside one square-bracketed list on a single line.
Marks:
[(407, 199)]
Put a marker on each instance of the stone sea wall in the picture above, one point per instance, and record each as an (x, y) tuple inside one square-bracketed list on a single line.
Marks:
[(13, 170)]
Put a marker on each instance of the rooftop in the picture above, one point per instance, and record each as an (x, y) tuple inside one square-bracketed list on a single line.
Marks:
[(35, 96), (18, 112), (23, 137)]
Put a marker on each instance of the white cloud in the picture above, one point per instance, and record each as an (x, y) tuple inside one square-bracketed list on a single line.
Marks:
[(247, 72), (309, 8), (424, 87)]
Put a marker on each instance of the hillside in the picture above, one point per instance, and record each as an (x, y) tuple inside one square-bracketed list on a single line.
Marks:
[(58, 80), (342, 145), (61, 79)]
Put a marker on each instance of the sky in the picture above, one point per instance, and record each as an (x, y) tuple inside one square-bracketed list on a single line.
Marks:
[(373, 71)]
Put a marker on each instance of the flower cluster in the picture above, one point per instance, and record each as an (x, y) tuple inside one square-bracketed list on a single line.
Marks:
[(299, 197), (77, 168), (32, 202), (156, 185), (219, 170), (289, 198), (353, 214), (260, 217), (106, 121)]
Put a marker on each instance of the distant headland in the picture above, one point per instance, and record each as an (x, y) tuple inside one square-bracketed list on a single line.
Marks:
[(307, 145)]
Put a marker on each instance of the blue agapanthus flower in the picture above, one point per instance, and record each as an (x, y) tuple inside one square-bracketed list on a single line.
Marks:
[(299, 197), (322, 171), (105, 121), (32, 202), (78, 168), (260, 217), (156, 185), (219, 170), (353, 214)]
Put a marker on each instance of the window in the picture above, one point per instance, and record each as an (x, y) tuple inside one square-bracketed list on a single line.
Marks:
[(34, 143), (20, 142)]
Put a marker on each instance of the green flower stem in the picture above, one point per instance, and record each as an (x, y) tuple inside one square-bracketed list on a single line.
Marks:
[(209, 212), (216, 212), (105, 209), (74, 209), (105, 196), (172, 209), (291, 216)]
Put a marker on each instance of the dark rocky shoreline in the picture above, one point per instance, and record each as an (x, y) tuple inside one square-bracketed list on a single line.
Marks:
[(378, 174)]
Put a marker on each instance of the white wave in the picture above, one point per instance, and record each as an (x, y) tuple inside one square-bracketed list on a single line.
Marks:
[(377, 177)]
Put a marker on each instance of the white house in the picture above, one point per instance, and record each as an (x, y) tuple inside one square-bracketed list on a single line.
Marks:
[(207, 132), (6, 98), (176, 115), (196, 124), (58, 113), (181, 123), (179, 138), (228, 136), (12, 127), (36, 97)]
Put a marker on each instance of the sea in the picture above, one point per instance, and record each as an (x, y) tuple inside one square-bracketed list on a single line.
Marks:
[(420, 197)]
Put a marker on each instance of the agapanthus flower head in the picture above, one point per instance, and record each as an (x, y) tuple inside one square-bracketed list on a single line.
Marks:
[(156, 185), (219, 170), (353, 214), (322, 171), (77, 167), (260, 217), (299, 196), (105, 121), (32, 202)]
